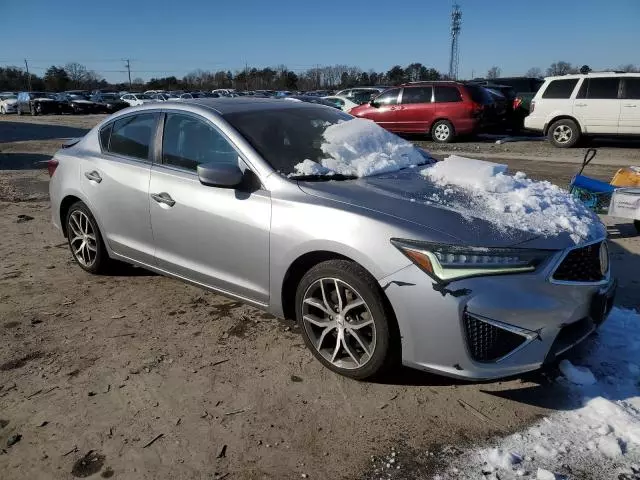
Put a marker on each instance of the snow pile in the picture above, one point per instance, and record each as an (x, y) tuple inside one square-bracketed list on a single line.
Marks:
[(512, 201), (360, 147), (577, 375), (599, 438)]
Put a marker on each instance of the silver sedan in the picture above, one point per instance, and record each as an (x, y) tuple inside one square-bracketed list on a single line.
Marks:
[(209, 191)]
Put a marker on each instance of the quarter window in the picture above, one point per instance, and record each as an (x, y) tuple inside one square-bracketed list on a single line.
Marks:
[(447, 94), (390, 97), (632, 88), (417, 95), (599, 88), (131, 136), (560, 88), (188, 142), (105, 133)]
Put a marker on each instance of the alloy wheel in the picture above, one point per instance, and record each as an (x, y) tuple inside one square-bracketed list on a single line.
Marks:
[(442, 132), (82, 238), (339, 323), (562, 134)]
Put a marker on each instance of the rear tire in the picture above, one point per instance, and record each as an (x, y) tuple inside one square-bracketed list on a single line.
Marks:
[(355, 334), (442, 132), (34, 110), (636, 223), (564, 133), (85, 240), (19, 110)]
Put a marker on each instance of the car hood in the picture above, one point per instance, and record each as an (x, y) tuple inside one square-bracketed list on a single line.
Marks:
[(407, 195), (83, 102), (10, 101), (44, 99)]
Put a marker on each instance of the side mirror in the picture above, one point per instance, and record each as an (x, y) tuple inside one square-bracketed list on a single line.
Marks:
[(223, 175), (374, 104)]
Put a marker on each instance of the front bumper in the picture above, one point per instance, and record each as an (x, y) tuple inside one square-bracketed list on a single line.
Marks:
[(11, 108), (439, 330)]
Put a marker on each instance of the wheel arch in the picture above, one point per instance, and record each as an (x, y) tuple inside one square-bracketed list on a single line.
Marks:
[(437, 119), (65, 205), (562, 117)]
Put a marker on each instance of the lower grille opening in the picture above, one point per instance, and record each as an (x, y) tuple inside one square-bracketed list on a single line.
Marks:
[(487, 342)]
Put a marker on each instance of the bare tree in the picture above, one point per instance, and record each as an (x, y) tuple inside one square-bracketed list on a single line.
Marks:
[(77, 74), (628, 68), (138, 81), (560, 68), (535, 72), (493, 72)]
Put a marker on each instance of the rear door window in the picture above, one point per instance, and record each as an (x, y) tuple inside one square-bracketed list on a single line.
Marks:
[(447, 94), (599, 88), (131, 136), (417, 95), (632, 88), (560, 88)]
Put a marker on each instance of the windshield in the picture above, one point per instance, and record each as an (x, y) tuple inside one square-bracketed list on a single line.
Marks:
[(142, 96), (109, 97), (314, 141)]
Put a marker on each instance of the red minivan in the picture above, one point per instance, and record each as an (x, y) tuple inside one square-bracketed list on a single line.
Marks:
[(443, 109)]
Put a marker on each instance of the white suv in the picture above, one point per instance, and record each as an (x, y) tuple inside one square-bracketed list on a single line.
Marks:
[(571, 106)]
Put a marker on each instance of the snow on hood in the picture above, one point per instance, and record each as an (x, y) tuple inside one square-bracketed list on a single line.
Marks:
[(484, 190), (360, 147)]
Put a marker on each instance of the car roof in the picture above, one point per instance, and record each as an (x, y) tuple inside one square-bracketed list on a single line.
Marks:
[(243, 104), (593, 74)]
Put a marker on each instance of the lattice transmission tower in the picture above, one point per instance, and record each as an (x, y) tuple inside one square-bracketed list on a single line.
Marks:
[(456, 23)]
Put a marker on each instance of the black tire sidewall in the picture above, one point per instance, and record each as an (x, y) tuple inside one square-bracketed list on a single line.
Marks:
[(102, 258), (575, 133), (384, 355), (451, 132)]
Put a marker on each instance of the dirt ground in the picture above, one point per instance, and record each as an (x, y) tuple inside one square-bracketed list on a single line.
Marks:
[(134, 375)]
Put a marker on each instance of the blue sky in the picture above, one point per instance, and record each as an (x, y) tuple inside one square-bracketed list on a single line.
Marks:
[(172, 38)]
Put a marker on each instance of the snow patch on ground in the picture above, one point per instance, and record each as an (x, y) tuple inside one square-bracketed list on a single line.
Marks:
[(598, 438), (577, 375), (362, 148), (513, 201)]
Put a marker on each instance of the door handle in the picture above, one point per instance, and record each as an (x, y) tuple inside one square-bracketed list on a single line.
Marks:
[(631, 106), (581, 104), (163, 197), (93, 176)]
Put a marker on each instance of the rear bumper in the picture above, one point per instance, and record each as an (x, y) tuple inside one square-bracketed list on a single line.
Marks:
[(532, 319), (535, 124)]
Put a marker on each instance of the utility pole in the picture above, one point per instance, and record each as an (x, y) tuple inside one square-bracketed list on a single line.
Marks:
[(128, 65), (26, 65)]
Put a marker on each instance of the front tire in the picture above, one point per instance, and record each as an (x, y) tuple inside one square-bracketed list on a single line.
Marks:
[(636, 223), (345, 320), (564, 133), (34, 109), (3, 110), (442, 132), (85, 240)]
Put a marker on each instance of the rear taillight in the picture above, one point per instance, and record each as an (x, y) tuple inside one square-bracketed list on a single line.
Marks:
[(51, 166), (532, 106), (517, 102)]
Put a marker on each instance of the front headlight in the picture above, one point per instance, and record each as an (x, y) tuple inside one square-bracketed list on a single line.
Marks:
[(445, 263)]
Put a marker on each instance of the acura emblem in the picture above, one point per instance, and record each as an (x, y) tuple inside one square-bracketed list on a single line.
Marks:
[(604, 258)]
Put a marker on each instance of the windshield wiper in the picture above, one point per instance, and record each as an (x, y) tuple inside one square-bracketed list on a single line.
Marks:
[(322, 177)]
